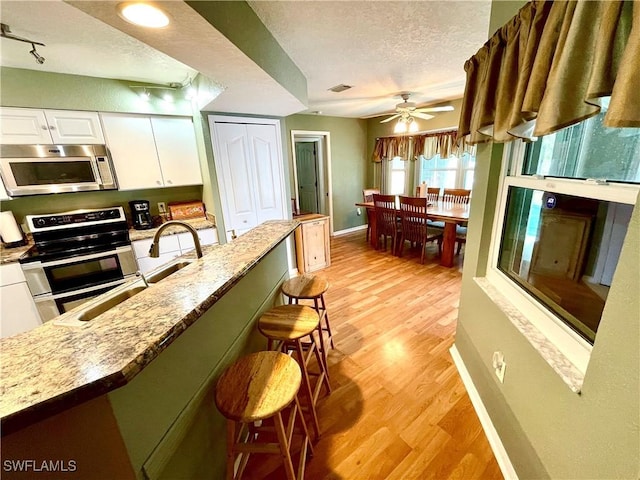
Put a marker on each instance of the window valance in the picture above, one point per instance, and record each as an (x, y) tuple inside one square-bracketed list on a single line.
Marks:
[(427, 144), (550, 67)]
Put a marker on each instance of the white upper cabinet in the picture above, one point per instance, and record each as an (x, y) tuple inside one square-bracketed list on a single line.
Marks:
[(152, 152), (32, 126), (177, 150), (133, 151)]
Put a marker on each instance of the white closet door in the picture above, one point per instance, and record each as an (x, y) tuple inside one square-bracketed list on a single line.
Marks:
[(177, 151), (235, 176), (267, 172)]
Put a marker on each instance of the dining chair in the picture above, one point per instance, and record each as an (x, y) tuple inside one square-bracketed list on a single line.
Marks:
[(386, 219), (414, 228), (456, 195), (367, 195), (461, 237), (433, 194)]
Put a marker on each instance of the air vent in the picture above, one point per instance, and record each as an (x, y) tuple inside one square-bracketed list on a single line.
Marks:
[(340, 88)]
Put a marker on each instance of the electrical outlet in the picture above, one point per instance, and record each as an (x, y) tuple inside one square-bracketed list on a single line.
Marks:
[(499, 365), (162, 207), (358, 211)]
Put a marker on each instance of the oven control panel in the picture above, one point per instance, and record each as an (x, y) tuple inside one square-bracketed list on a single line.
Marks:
[(74, 219)]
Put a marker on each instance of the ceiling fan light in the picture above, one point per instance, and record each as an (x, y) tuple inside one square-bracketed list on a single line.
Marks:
[(401, 127), (143, 14), (413, 126)]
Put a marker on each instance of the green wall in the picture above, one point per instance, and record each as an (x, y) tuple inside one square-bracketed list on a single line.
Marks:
[(547, 430), (62, 202), (349, 163), (31, 88)]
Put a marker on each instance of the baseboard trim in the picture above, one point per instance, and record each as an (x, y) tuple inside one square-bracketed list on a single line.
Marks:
[(350, 230), (506, 467)]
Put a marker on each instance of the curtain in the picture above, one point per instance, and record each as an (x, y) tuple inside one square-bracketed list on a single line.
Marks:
[(429, 145), (391, 147), (444, 144), (550, 67)]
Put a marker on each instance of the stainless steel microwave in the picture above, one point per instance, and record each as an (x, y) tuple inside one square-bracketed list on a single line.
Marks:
[(39, 169)]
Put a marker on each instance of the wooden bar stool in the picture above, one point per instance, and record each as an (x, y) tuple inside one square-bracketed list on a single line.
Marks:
[(285, 326), (254, 389), (312, 287)]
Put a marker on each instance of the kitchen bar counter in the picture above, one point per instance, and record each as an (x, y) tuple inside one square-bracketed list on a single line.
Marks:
[(55, 367)]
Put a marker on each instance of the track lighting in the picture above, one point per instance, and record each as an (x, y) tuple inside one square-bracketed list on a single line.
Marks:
[(38, 57), (165, 92), (6, 33)]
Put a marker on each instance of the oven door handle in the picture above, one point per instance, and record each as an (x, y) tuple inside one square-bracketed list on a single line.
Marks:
[(91, 256), (56, 296)]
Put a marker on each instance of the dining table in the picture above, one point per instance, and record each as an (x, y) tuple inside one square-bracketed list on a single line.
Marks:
[(452, 214)]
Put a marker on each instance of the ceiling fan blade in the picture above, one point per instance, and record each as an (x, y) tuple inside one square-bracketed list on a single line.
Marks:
[(390, 118), (447, 108), (424, 116)]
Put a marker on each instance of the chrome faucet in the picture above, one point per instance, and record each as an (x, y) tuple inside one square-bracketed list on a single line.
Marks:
[(154, 251)]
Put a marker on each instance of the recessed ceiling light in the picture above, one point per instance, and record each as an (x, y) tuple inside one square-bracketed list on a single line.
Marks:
[(143, 14)]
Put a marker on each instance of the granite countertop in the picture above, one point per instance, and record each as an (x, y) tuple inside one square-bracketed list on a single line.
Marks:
[(197, 223), (54, 367), (11, 255)]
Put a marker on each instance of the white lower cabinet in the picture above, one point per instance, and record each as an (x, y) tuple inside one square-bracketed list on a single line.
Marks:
[(171, 247), (18, 312)]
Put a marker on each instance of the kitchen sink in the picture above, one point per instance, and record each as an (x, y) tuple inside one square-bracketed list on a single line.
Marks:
[(108, 303), (166, 271), (101, 306)]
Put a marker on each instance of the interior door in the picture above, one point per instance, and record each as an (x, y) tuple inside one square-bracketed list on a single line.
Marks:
[(267, 172), (306, 167), (235, 176)]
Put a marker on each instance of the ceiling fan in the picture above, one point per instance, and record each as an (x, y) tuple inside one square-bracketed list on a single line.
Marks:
[(406, 111)]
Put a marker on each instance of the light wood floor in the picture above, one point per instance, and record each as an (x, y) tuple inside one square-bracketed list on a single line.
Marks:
[(398, 409)]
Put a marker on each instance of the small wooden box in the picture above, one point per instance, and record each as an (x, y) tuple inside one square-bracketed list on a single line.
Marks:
[(185, 210)]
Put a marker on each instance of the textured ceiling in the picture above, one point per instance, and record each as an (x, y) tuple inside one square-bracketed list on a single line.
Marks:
[(381, 48), (79, 44)]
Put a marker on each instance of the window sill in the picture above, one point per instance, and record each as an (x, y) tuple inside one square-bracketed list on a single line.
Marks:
[(557, 360)]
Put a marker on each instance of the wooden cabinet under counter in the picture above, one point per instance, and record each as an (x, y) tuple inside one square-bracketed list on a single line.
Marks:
[(312, 243)]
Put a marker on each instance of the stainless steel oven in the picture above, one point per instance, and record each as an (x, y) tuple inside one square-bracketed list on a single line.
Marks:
[(39, 169), (77, 256)]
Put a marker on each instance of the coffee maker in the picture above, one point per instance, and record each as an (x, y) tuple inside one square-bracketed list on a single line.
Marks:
[(140, 214)]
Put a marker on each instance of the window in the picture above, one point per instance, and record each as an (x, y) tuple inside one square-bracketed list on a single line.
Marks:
[(565, 204), (452, 172), (397, 179)]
